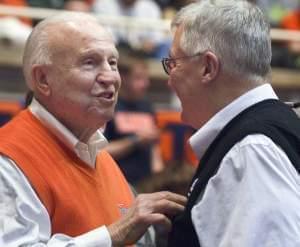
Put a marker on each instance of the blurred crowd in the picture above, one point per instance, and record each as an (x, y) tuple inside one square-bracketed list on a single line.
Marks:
[(131, 144), (152, 43)]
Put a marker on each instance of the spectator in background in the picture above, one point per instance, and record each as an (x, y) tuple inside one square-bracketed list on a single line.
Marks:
[(291, 21), (170, 7), (275, 11), (18, 3), (176, 4), (58, 187), (55, 4), (14, 32), (77, 5), (147, 41), (52, 4), (133, 133)]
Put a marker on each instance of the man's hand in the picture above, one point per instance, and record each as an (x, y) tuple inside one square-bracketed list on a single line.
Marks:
[(148, 209), (147, 136)]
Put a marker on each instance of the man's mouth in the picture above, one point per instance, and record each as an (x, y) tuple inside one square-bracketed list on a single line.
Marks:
[(106, 95)]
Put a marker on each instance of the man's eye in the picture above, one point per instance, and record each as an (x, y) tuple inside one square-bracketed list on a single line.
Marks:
[(89, 62), (172, 63), (113, 63)]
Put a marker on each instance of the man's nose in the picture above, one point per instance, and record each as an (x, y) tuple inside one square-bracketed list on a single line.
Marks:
[(107, 78)]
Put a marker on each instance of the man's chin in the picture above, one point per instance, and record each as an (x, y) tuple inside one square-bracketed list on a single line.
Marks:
[(100, 118), (107, 117)]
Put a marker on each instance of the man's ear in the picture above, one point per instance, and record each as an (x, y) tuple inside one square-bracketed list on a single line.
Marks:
[(40, 79), (211, 67)]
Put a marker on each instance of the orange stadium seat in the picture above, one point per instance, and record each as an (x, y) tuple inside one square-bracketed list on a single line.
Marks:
[(173, 138)]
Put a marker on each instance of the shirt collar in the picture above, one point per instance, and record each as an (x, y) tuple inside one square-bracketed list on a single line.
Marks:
[(201, 140), (87, 152)]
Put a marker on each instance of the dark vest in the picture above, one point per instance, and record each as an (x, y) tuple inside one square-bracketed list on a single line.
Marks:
[(269, 117)]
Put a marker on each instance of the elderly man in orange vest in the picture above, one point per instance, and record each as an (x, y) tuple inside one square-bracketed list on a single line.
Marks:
[(58, 187)]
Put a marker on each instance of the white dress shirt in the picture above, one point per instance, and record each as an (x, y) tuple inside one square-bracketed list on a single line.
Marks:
[(254, 198), (24, 220)]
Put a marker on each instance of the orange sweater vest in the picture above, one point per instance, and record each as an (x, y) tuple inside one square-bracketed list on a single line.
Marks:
[(77, 197)]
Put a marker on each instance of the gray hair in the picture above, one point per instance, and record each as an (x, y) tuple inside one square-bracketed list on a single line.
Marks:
[(235, 30), (37, 48)]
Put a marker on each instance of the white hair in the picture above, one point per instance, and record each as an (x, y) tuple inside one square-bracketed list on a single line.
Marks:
[(37, 48), (235, 30)]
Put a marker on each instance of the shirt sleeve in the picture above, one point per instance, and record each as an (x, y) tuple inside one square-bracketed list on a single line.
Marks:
[(253, 200), (24, 221)]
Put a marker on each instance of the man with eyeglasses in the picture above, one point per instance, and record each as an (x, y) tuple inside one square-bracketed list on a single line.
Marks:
[(246, 190)]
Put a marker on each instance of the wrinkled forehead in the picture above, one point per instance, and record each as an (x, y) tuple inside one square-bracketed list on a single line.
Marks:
[(82, 36), (71, 30)]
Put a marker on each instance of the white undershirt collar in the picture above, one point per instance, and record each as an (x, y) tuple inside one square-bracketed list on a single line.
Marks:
[(87, 152)]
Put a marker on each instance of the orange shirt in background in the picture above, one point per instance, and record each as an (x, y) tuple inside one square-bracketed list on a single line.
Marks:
[(21, 3)]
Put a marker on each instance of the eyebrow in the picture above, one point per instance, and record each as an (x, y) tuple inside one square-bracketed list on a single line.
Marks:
[(88, 52)]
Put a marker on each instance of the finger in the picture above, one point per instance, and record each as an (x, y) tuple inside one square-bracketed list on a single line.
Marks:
[(161, 222), (167, 207), (161, 202), (170, 196)]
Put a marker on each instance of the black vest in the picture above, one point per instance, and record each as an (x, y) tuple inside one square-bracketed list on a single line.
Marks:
[(269, 117)]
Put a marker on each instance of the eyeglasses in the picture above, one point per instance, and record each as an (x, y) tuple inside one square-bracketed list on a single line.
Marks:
[(169, 63)]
